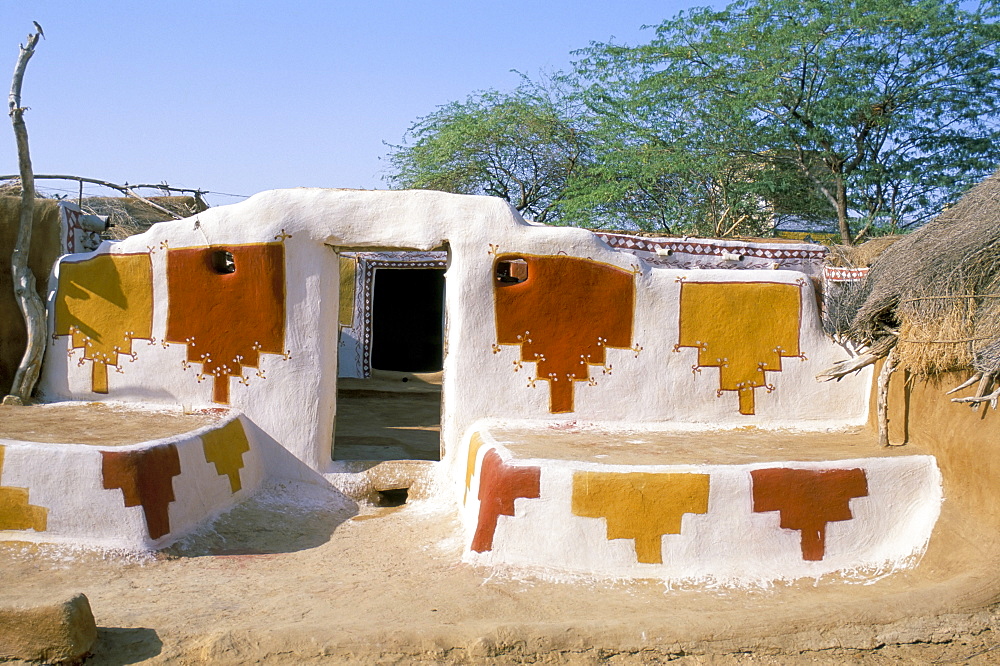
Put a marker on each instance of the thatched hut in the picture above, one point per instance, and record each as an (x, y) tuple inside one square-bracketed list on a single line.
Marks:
[(931, 301)]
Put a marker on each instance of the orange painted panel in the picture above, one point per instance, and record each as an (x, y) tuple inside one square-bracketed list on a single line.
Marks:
[(227, 319), (564, 316), (743, 329), (145, 478), (499, 485), (641, 506), (105, 303), (808, 499)]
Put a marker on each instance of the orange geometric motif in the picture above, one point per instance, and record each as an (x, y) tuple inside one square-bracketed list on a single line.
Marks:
[(225, 448), (741, 328), (808, 499), (105, 303), (145, 478), (640, 506), (227, 319), (15, 512), (565, 314), (499, 485)]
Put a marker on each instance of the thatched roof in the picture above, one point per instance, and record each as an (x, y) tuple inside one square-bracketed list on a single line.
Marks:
[(934, 295), (131, 216)]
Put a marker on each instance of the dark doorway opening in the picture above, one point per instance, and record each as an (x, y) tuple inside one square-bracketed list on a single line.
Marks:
[(408, 319)]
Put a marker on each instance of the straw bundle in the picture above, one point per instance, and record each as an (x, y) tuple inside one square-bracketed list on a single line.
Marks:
[(934, 295)]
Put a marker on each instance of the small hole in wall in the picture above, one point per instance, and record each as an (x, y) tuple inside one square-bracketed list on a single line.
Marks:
[(391, 497), (223, 262), (511, 271)]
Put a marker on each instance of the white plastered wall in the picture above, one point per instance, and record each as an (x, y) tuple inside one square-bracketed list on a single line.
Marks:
[(295, 405)]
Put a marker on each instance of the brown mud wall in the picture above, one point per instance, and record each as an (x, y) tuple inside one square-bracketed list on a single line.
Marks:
[(966, 443), (45, 249)]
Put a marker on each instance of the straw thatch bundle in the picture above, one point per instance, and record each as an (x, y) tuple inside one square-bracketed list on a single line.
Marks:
[(932, 299)]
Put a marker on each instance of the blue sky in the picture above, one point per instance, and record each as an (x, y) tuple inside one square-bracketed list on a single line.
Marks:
[(240, 97)]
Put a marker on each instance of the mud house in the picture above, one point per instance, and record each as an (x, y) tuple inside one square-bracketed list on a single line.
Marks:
[(606, 400)]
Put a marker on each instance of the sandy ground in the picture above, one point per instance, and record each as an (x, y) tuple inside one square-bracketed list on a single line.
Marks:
[(390, 416), (301, 574)]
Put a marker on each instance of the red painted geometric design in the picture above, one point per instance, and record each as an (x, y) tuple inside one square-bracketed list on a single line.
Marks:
[(564, 316), (808, 500), (499, 485), (145, 478), (227, 320)]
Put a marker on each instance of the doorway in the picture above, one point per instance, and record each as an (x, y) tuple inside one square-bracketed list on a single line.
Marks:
[(408, 319), (395, 413)]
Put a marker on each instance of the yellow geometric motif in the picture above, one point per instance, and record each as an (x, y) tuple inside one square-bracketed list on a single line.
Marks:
[(475, 443), (105, 302), (348, 269), (639, 505), (741, 328), (225, 448), (15, 512)]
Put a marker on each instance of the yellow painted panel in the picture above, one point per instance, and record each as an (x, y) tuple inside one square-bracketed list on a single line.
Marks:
[(475, 443), (15, 512), (641, 506), (348, 268), (741, 328), (105, 302), (225, 448)]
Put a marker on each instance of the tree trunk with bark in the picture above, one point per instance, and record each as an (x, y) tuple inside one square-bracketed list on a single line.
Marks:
[(32, 308)]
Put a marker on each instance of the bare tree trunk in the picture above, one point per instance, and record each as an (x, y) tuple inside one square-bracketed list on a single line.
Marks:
[(27, 297), (843, 223), (883, 397)]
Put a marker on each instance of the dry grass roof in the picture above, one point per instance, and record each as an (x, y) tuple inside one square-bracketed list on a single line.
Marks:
[(934, 295)]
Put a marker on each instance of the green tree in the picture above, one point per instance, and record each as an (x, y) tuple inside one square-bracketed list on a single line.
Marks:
[(523, 146), (886, 108)]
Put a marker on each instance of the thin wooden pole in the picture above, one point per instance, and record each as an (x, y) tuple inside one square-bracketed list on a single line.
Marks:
[(30, 303)]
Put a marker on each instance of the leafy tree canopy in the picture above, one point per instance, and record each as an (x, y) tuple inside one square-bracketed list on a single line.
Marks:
[(521, 146), (870, 113)]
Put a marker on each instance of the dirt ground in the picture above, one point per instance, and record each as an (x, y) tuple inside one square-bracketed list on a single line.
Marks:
[(301, 573)]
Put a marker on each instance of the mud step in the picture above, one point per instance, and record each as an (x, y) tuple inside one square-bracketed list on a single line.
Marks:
[(733, 507)]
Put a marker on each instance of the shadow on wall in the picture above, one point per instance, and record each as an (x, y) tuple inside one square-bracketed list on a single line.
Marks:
[(283, 517), (45, 249), (117, 646)]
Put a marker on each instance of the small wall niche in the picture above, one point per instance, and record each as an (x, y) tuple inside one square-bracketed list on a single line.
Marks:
[(511, 271), (223, 262)]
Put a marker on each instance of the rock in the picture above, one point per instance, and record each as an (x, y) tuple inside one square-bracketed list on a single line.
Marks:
[(56, 632)]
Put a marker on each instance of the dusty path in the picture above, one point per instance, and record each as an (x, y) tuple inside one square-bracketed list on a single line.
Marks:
[(302, 574)]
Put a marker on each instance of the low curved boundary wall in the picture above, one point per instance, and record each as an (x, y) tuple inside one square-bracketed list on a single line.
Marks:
[(725, 523), (141, 496)]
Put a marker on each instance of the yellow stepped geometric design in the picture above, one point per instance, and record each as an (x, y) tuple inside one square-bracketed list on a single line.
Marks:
[(641, 506), (475, 443), (348, 271), (742, 328), (105, 303), (15, 512), (225, 448)]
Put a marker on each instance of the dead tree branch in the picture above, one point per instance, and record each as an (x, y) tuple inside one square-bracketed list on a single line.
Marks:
[(32, 308), (126, 189)]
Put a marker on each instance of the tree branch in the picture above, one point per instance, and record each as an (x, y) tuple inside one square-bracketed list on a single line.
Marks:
[(128, 190), (30, 303)]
